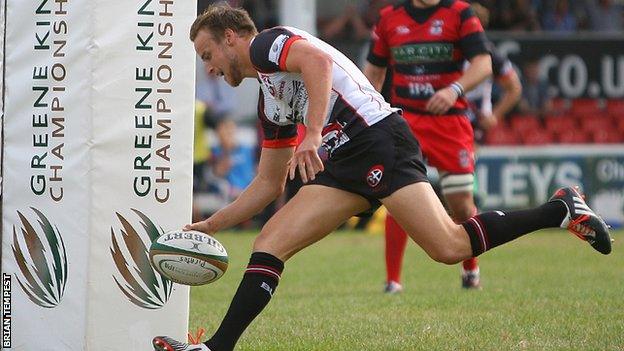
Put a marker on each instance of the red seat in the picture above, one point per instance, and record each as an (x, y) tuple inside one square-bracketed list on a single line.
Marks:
[(538, 137), (607, 136), (586, 107), (522, 123), (619, 122), (501, 135), (573, 136), (560, 105), (615, 107), (596, 124), (557, 124)]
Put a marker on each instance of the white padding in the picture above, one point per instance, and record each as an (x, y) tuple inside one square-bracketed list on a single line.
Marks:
[(456, 183)]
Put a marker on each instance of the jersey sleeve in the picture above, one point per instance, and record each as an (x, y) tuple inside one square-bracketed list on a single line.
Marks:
[(379, 52), (269, 49), (275, 136), (472, 37), (501, 66)]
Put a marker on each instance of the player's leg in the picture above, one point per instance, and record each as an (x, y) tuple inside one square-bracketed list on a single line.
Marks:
[(453, 156), (395, 237), (421, 214), (396, 241), (457, 190), (314, 212)]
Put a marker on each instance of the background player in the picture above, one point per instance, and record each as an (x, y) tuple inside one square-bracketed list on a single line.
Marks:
[(504, 77), (425, 43)]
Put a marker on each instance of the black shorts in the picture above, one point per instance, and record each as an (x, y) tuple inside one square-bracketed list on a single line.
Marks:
[(377, 162)]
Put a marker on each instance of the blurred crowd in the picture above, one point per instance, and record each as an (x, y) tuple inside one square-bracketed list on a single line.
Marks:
[(226, 148)]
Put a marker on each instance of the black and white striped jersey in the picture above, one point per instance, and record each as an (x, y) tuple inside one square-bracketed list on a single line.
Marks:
[(283, 102)]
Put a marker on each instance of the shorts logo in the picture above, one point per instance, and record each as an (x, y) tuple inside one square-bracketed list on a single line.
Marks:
[(373, 178), (464, 158)]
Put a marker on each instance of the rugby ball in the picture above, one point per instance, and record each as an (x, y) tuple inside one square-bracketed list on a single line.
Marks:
[(188, 257)]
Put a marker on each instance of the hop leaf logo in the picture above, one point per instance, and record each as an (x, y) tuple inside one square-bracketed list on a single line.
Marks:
[(42, 260), (137, 279)]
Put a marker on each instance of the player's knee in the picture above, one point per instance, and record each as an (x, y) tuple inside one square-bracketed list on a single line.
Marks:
[(445, 255), (268, 241), (464, 212)]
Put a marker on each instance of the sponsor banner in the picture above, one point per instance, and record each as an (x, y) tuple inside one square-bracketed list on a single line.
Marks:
[(98, 161), (142, 103), (513, 178), (576, 65), (45, 215)]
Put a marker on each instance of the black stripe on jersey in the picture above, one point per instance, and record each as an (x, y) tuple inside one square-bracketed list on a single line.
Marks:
[(447, 3), (271, 130), (263, 43), (376, 60), (473, 44), (428, 68), (466, 14)]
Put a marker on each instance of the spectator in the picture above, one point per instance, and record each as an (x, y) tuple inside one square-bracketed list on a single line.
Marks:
[(536, 98), (233, 161), (516, 15), (605, 16), (560, 19), (504, 80), (214, 104), (341, 25)]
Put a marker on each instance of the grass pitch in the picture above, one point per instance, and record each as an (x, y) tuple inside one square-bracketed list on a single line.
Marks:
[(545, 291)]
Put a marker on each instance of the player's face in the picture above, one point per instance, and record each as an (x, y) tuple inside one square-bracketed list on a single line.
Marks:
[(219, 58)]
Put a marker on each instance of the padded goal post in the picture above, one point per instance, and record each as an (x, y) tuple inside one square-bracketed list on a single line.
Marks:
[(98, 131)]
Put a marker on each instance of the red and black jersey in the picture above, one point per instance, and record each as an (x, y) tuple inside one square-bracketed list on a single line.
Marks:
[(425, 48)]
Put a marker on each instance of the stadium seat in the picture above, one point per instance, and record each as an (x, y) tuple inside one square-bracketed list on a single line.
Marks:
[(607, 136), (619, 122), (597, 123), (587, 107), (538, 137), (557, 124), (523, 123), (501, 135), (615, 107), (560, 105), (573, 136)]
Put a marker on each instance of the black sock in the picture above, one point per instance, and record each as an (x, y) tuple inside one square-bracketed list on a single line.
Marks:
[(491, 229), (253, 294)]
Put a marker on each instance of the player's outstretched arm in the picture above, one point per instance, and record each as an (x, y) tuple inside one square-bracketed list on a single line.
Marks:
[(266, 186)]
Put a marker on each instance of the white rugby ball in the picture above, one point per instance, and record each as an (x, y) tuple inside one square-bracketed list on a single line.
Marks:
[(189, 257)]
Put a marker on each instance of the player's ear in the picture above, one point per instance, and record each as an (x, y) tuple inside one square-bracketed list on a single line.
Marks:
[(229, 36)]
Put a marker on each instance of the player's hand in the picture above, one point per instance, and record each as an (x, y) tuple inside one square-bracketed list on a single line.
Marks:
[(441, 101), (488, 121), (207, 226), (306, 158)]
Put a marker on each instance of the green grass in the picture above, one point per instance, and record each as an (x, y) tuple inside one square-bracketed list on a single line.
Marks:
[(546, 291)]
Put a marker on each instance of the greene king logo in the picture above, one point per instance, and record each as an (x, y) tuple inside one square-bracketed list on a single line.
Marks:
[(137, 279), (42, 260)]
